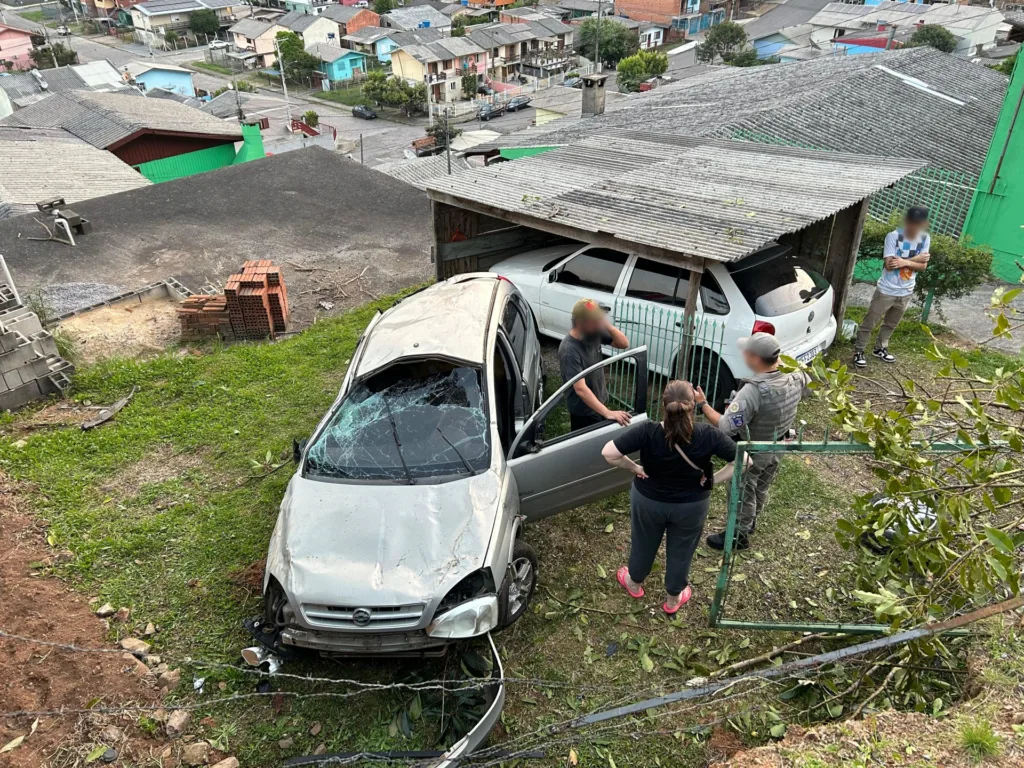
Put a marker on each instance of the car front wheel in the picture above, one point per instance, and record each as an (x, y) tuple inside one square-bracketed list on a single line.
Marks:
[(520, 582)]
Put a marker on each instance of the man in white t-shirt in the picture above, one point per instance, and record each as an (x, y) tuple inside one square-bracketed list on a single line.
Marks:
[(905, 254)]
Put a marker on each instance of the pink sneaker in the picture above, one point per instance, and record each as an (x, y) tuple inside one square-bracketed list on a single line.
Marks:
[(621, 575), (684, 596)]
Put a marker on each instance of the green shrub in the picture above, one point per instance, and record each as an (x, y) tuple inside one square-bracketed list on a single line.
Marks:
[(955, 269), (979, 741)]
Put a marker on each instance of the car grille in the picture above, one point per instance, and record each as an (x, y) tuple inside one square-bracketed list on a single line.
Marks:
[(363, 617)]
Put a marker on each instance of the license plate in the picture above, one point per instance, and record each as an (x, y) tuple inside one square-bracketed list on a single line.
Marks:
[(809, 355)]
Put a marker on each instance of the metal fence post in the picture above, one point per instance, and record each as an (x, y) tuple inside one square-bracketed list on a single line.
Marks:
[(735, 499)]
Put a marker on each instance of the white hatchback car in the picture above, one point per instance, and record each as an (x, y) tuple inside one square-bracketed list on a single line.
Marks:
[(769, 290)]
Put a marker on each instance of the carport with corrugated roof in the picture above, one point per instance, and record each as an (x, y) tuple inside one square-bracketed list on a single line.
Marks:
[(675, 199)]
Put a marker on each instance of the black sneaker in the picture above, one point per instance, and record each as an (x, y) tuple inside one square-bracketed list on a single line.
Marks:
[(859, 360), (717, 541), (882, 354)]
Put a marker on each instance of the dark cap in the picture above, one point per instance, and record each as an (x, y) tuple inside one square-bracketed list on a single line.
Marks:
[(917, 214)]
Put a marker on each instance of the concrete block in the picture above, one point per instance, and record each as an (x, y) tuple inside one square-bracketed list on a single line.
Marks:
[(44, 343), (18, 357), (22, 320), (12, 379), (36, 368), (20, 397)]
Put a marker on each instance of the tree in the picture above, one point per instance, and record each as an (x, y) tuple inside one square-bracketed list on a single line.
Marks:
[(171, 37), (721, 40), (469, 85), (1006, 65), (298, 65), (458, 27), (378, 88), (383, 6), (204, 22), (641, 66), (44, 58), (749, 58), (935, 36), (443, 132), (311, 118), (617, 42)]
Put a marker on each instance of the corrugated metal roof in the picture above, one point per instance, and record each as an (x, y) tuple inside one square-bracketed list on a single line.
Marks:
[(328, 53), (701, 197), (419, 170), (105, 118), (297, 21), (952, 16), (25, 88), (367, 35), (841, 103), (251, 28), (411, 18), (500, 33), (441, 50), (341, 13), (34, 169)]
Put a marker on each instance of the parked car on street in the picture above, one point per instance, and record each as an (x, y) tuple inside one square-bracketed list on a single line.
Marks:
[(487, 111), (363, 111), (400, 531), (518, 102), (573, 82), (769, 290), (63, 30), (219, 45)]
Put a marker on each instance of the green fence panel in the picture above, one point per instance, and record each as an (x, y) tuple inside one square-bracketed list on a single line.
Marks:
[(188, 164)]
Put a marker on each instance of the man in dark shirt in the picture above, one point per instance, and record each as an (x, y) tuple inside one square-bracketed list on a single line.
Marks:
[(580, 349)]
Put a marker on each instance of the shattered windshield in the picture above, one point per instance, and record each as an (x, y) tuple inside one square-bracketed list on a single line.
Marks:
[(416, 420)]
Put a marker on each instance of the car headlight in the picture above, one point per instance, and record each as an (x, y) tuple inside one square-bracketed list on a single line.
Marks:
[(472, 618)]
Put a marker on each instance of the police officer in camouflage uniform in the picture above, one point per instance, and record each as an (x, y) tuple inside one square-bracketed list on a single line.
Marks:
[(766, 407)]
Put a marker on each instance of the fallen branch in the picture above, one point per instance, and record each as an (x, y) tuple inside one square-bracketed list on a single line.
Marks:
[(301, 268), (579, 607), (746, 663), (108, 413)]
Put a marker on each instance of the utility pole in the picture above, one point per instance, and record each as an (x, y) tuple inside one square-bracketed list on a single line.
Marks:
[(430, 109), (597, 41), (284, 82), (361, 149), (238, 100), (447, 141), (892, 34)]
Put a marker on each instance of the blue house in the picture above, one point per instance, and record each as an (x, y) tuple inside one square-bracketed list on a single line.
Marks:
[(169, 77), (375, 41), (338, 63)]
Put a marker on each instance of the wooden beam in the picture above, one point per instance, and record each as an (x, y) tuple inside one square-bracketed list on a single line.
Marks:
[(848, 225), (674, 258), (689, 324)]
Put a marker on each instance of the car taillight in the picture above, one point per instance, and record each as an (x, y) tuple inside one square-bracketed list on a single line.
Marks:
[(502, 277), (763, 326)]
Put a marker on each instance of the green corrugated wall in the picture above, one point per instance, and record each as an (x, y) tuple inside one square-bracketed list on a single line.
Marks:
[(188, 164), (996, 217)]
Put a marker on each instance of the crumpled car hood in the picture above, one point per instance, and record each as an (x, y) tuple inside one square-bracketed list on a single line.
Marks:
[(363, 544)]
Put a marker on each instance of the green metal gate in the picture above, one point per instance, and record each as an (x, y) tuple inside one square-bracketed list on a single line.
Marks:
[(799, 445)]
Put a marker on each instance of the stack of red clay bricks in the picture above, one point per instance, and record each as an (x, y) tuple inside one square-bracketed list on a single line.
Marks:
[(254, 305)]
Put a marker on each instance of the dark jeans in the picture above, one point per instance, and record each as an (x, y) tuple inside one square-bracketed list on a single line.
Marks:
[(680, 524), (583, 421)]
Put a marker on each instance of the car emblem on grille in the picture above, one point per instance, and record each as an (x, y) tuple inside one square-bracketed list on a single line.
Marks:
[(361, 617)]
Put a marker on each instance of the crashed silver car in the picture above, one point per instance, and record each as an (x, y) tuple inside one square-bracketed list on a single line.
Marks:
[(401, 530)]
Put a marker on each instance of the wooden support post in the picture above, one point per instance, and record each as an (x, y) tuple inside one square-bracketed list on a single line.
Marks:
[(841, 258), (689, 323)]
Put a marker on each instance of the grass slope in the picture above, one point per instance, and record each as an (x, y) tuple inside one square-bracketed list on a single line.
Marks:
[(166, 508)]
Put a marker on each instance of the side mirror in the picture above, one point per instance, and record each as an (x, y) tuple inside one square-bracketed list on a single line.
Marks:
[(552, 275), (298, 448)]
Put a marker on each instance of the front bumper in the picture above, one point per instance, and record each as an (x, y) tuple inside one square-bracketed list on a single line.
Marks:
[(414, 643)]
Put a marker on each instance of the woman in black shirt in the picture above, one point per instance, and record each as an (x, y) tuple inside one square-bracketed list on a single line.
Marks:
[(671, 493)]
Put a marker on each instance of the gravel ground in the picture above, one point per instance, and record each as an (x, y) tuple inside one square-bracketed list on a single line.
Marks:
[(67, 297)]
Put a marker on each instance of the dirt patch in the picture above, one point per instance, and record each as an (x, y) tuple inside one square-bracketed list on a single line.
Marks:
[(38, 678), (124, 330), (888, 738), (159, 466), (56, 416), (250, 578)]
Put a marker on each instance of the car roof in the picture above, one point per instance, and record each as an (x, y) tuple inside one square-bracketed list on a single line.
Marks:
[(448, 320)]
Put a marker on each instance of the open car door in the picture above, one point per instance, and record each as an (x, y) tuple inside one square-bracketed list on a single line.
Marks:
[(556, 469)]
